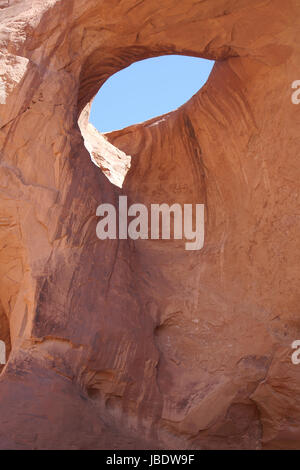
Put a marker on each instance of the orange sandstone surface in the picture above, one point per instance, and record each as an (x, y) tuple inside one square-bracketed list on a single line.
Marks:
[(123, 344)]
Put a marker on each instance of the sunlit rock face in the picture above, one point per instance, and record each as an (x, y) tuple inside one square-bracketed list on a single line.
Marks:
[(119, 344), (113, 162)]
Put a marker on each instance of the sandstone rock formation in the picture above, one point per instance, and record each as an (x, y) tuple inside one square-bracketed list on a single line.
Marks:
[(132, 345)]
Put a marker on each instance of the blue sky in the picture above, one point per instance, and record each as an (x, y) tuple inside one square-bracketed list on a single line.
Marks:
[(147, 89)]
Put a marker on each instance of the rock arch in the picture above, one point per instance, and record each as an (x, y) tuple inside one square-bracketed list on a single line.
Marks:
[(146, 346)]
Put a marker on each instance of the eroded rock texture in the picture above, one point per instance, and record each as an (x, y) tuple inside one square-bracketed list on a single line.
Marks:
[(132, 345)]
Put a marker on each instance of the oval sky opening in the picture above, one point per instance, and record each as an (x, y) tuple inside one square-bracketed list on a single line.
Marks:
[(148, 89)]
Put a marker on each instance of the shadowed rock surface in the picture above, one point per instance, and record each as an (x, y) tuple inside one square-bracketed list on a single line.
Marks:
[(132, 345)]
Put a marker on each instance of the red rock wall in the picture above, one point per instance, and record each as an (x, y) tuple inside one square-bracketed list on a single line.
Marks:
[(132, 345)]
